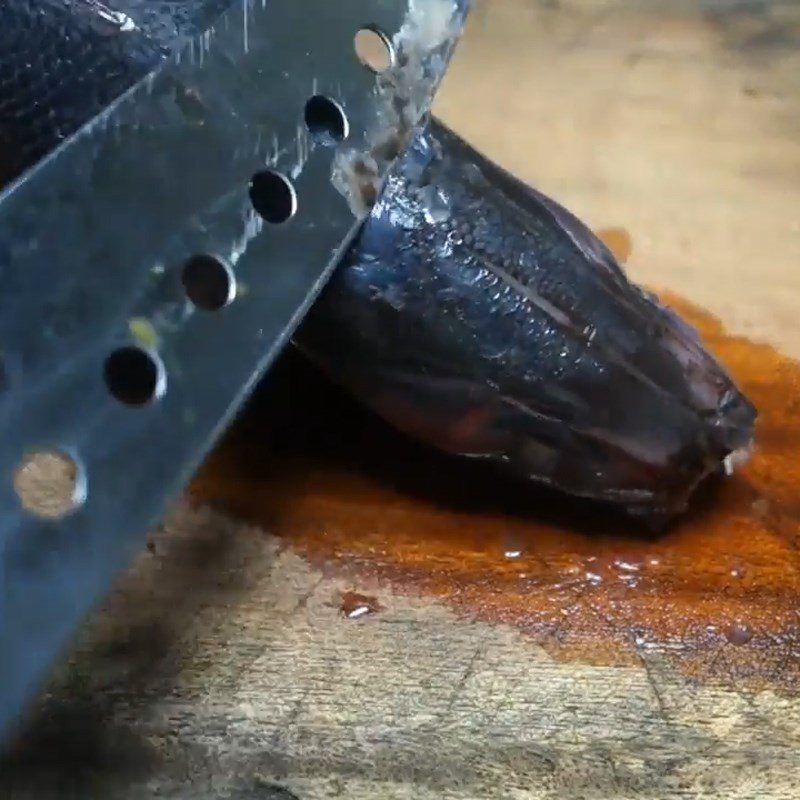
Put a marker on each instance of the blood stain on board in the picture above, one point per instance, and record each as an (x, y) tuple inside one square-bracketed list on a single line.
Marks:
[(718, 594)]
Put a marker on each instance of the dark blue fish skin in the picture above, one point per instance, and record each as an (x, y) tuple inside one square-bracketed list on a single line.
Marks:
[(479, 316), (63, 61)]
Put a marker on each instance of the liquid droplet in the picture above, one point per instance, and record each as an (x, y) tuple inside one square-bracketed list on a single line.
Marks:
[(627, 566), (739, 633), (738, 572), (354, 605)]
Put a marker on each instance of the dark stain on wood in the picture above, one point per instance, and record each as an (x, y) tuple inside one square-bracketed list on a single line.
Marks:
[(311, 466)]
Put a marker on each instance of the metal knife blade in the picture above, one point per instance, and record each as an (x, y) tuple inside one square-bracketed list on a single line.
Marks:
[(93, 305)]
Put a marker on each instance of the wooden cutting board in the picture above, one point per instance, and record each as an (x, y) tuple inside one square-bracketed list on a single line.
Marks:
[(334, 612)]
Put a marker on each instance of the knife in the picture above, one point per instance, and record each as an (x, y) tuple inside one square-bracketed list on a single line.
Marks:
[(152, 266)]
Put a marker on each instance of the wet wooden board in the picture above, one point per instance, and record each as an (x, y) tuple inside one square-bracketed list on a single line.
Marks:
[(416, 631)]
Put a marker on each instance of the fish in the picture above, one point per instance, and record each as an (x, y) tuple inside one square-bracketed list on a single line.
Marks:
[(62, 62), (479, 316), (471, 312)]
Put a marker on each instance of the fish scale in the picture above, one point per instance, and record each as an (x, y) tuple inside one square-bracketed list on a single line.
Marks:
[(531, 255), (46, 91)]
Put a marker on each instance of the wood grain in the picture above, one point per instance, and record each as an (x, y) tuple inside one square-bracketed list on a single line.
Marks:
[(223, 667)]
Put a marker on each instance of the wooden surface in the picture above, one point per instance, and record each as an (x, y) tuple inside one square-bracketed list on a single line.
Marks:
[(224, 666)]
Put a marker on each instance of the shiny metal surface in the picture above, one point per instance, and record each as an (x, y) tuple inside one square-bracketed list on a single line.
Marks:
[(93, 242)]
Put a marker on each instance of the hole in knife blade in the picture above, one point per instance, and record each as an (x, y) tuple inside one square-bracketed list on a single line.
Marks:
[(135, 376), (273, 196), (374, 48), (50, 484), (326, 121), (208, 282)]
